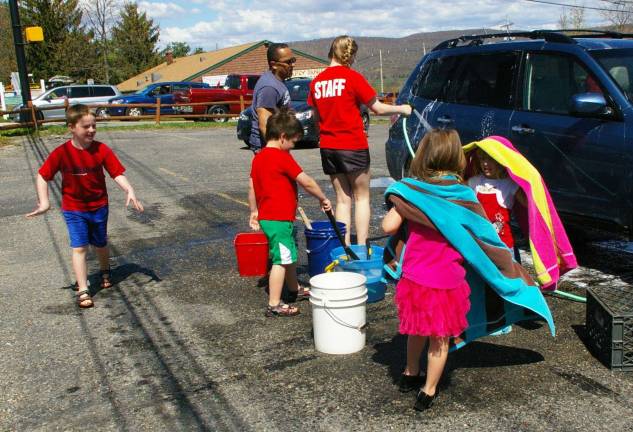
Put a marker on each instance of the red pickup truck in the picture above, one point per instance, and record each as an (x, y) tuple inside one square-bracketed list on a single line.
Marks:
[(234, 87)]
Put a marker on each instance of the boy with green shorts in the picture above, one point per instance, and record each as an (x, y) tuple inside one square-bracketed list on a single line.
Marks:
[(273, 201)]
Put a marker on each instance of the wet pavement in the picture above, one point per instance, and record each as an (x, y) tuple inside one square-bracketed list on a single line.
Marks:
[(181, 342)]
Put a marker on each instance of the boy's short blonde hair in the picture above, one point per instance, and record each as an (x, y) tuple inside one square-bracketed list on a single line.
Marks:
[(76, 112)]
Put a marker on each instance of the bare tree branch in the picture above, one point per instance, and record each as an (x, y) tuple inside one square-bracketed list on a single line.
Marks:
[(101, 16)]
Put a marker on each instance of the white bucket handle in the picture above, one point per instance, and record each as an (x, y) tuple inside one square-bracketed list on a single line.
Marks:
[(321, 246), (323, 301)]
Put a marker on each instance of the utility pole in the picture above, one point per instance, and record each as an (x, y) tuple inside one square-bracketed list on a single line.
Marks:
[(20, 57), (507, 26), (382, 87)]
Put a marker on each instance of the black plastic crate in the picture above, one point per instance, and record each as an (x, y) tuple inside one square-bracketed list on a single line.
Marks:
[(609, 324)]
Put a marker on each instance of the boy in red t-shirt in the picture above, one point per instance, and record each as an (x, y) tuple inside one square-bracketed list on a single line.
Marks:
[(273, 201), (81, 161)]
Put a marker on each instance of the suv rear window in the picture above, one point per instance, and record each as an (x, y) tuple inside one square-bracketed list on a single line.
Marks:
[(485, 79), (103, 91), (434, 78), (79, 92), (298, 90)]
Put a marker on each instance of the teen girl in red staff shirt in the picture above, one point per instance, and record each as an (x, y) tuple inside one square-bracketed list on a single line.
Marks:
[(335, 96)]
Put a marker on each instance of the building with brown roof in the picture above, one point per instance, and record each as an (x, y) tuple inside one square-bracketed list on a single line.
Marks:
[(213, 66)]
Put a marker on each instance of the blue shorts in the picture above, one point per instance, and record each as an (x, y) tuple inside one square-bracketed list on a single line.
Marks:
[(87, 227)]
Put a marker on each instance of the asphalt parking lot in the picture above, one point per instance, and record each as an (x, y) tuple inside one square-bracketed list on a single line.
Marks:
[(181, 342)]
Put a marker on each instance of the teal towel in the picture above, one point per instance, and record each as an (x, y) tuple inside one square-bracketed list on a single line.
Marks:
[(502, 292)]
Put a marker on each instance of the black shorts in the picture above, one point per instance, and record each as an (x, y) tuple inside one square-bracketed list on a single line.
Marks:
[(344, 161)]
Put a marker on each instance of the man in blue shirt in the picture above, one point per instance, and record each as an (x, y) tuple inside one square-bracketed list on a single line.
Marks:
[(270, 91)]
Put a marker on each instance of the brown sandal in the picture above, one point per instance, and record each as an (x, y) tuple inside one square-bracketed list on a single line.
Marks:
[(282, 309), (303, 292), (106, 281), (84, 300)]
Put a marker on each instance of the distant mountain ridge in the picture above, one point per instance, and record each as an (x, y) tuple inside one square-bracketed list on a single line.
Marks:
[(399, 55)]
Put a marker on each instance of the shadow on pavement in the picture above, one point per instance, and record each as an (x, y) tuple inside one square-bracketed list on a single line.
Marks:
[(474, 355)]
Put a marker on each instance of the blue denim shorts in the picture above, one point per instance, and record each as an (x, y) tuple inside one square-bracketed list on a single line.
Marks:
[(87, 227)]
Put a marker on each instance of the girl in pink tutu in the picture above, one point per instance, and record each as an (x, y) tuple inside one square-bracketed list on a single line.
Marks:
[(432, 295)]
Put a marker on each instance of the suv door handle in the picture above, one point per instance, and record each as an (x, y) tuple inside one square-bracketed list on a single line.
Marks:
[(444, 120), (522, 130)]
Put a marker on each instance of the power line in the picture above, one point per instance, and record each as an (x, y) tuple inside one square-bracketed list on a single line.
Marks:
[(575, 6)]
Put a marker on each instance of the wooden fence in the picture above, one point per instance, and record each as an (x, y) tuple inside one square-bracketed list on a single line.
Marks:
[(37, 116)]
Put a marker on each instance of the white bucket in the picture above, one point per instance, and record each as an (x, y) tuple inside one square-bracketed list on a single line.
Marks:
[(338, 312)]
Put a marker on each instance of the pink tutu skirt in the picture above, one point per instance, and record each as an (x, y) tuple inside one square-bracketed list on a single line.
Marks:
[(425, 311)]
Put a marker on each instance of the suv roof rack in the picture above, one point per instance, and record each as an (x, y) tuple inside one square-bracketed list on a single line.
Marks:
[(547, 35)]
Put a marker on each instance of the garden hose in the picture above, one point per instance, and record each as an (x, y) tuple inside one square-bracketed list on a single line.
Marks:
[(567, 296), (406, 136), (555, 293)]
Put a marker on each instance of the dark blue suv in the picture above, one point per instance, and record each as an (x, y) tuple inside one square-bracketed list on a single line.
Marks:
[(564, 101), (163, 90)]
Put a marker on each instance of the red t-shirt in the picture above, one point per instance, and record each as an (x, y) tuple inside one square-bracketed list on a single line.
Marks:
[(337, 93), (83, 181), (274, 173)]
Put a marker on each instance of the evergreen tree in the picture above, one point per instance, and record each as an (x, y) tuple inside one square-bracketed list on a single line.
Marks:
[(67, 47), (134, 39), (7, 49)]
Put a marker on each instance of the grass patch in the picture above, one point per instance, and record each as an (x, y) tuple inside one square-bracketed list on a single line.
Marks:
[(59, 129), (5, 141), (165, 125)]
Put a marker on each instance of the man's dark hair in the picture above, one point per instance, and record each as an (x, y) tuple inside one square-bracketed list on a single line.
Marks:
[(283, 121), (273, 51)]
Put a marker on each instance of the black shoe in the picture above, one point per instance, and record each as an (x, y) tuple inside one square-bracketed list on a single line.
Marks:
[(409, 382), (424, 401)]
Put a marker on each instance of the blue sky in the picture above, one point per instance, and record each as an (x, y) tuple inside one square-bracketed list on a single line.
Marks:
[(205, 23)]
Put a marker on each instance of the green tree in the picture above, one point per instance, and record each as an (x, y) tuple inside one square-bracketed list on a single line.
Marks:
[(7, 49), (134, 39), (198, 50), (67, 47), (179, 49)]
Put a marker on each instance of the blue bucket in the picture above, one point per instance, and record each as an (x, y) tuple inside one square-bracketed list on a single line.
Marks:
[(320, 240), (371, 268)]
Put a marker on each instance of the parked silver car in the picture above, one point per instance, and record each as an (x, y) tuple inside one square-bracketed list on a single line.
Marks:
[(55, 97)]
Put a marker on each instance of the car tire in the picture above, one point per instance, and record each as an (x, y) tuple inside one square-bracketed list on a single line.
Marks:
[(134, 112), (218, 109), (102, 113)]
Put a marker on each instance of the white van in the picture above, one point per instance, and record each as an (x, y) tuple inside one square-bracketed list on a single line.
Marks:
[(76, 94)]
